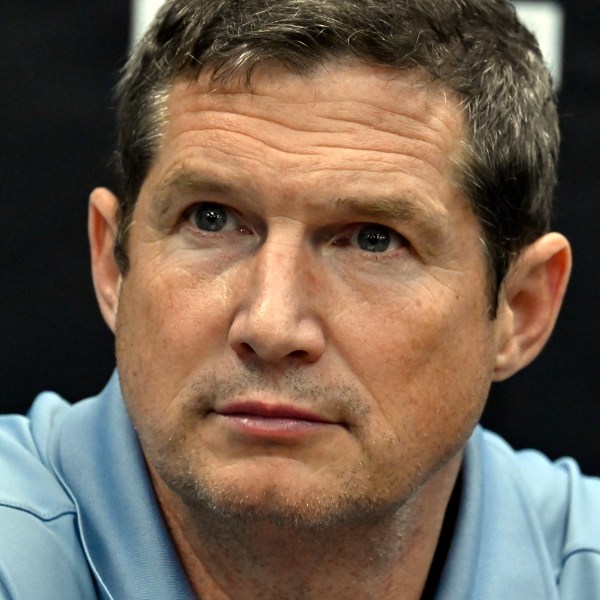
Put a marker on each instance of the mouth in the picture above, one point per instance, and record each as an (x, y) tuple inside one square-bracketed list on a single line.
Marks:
[(267, 420)]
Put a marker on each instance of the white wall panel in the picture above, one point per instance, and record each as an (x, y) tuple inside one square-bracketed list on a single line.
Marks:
[(142, 12), (546, 21)]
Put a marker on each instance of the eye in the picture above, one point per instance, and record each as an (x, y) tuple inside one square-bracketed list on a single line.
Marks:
[(213, 217), (376, 238), (210, 216)]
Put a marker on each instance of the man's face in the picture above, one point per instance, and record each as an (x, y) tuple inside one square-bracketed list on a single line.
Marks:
[(304, 330)]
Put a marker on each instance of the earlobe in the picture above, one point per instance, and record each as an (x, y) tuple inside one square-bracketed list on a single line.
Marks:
[(531, 298), (102, 229)]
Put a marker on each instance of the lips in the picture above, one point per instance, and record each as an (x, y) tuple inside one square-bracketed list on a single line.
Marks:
[(268, 411), (274, 421)]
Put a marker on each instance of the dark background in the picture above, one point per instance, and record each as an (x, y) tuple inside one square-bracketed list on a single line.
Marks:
[(58, 64)]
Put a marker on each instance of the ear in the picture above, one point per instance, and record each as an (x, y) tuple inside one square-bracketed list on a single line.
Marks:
[(530, 301), (102, 229)]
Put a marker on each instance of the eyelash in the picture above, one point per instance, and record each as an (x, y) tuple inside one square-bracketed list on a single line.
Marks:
[(191, 214), (379, 234)]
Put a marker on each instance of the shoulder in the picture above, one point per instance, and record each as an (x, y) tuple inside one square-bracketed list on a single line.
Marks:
[(39, 541), (563, 507), (27, 483)]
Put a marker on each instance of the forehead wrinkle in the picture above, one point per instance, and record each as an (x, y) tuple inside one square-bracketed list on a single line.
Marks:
[(430, 97), (419, 119), (354, 116)]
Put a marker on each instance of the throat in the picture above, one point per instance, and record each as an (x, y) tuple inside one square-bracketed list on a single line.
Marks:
[(268, 561), (382, 551)]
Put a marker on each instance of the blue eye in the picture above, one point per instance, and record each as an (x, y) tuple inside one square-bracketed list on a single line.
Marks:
[(371, 237), (374, 238), (210, 217)]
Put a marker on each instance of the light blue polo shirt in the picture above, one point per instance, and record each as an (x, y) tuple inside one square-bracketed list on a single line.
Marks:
[(78, 517)]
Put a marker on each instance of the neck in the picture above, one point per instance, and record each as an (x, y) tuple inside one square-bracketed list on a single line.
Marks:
[(387, 557)]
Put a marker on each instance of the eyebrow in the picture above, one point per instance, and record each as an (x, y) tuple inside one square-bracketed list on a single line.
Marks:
[(185, 181), (400, 209), (396, 209)]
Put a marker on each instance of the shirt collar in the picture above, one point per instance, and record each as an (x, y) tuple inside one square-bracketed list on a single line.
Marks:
[(498, 550), (99, 460)]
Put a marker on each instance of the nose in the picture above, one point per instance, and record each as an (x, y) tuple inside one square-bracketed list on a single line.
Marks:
[(276, 319)]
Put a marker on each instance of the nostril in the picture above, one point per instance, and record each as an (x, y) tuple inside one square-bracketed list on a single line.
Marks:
[(245, 349)]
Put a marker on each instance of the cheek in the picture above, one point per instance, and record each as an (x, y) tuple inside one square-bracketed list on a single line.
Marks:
[(427, 366), (167, 324)]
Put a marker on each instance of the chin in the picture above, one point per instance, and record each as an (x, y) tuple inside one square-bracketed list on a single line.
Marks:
[(287, 500)]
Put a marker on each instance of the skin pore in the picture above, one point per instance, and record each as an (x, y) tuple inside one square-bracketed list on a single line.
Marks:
[(306, 283)]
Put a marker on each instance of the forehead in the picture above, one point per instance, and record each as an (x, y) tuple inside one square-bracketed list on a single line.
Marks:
[(333, 99), (355, 126)]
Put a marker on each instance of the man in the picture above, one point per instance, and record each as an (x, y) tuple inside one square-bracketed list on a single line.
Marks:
[(331, 238)]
